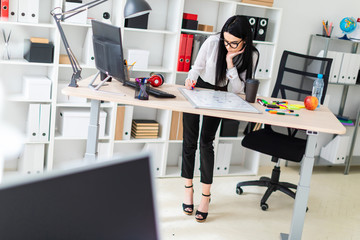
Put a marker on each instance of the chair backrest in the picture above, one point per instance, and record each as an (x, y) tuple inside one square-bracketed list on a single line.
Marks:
[(297, 73)]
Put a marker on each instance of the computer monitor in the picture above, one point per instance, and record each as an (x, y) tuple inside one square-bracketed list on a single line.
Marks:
[(108, 52), (107, 200)]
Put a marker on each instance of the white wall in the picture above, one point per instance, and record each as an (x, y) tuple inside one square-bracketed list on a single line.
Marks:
[(301, 19)]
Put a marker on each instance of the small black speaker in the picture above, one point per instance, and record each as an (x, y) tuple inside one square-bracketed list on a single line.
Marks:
[(261, 28), (253, 23)]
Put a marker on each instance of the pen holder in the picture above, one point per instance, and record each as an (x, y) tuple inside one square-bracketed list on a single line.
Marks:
[(142, 89)]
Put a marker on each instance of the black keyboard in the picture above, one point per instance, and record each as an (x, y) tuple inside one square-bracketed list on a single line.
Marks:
[(152, 91)]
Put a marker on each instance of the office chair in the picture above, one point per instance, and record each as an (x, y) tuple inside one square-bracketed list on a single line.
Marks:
[(294, 81)]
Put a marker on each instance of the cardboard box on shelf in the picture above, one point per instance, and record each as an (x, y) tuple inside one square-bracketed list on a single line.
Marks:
[(268, 3), (205, 28)]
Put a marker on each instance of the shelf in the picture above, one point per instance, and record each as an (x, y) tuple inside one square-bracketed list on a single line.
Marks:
[(185, 73), (336, 39), (83, 66), (341, 84), (149, 31), (82, 105), (256, 6), (21, 98), (25, 62), (40, 25), (263, 42), (153, 69), (75, 24), (59, 137), (32, 142), (197, 32), (144, 140)]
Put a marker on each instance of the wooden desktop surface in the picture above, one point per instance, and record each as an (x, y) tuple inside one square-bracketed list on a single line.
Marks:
[(320, 120)]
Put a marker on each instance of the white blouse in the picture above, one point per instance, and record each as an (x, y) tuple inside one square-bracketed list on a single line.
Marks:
[(205, 66)]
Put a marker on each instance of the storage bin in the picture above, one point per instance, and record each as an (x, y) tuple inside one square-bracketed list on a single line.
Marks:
[(38, 52), (75, 123), (36, 87), (79, 18), (139, 57)]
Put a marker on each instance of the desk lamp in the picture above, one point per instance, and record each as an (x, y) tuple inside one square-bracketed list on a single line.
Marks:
[(133, 8)]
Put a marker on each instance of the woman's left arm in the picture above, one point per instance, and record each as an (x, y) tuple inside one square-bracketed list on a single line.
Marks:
[(235, 82)]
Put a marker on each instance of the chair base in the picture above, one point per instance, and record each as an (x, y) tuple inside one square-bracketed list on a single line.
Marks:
[(272, 185)]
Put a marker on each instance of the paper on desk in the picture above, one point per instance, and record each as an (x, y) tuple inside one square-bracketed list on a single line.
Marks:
[(218, 100)]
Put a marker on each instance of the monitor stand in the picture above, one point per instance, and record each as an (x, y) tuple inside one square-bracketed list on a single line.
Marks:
[(96, 87)]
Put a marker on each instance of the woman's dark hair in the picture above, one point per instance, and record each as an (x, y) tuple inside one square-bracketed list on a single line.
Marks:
[(237, 26)]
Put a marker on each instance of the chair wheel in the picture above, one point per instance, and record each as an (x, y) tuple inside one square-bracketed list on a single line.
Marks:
[(239, 191), (264, 206), (307, 209)]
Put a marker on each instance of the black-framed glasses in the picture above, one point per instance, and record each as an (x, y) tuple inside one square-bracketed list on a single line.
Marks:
[(233, 45)]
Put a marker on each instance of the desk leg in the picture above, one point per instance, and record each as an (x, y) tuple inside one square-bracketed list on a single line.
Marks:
[(303, 189), (93, 134)]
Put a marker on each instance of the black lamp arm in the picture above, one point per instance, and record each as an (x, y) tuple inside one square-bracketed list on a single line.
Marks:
[(60, 16)]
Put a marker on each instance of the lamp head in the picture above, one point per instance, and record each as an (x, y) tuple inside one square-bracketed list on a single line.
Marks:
[(135, 8)]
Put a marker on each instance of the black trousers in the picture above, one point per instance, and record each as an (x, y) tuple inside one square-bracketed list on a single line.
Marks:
[(207, 136)]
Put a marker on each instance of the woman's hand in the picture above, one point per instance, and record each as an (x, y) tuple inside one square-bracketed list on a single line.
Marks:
[(230, 56), (190, 84)]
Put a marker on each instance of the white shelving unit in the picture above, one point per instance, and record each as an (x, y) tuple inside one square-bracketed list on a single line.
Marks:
[(342, 104), (161, 39)]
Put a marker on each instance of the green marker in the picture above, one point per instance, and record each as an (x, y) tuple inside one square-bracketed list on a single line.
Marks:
[(291, 114)]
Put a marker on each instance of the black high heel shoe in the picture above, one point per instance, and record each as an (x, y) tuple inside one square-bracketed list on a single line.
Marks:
[(202, 214), (188, 206)]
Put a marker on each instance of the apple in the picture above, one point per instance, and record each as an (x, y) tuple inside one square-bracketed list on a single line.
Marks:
[(311, 102)]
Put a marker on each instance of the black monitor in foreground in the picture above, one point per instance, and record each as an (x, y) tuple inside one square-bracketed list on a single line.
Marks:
[(108, 200)]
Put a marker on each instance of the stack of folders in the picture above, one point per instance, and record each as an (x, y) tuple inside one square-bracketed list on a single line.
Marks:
[(199, 39), (344, 68), (266, 53), (144, 128), (185, 50), (20, 11)]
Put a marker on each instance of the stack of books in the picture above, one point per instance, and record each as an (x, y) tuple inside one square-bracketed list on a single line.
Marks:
[(144, 128), (345, 121)]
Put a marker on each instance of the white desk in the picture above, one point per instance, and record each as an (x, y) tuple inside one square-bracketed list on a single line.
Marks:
[(321, 120)]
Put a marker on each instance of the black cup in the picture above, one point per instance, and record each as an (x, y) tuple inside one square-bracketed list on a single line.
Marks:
[(251, 88)]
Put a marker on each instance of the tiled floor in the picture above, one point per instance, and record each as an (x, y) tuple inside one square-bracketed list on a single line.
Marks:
[(334, 208)]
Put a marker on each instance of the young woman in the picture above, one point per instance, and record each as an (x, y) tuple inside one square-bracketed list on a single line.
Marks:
[(224, 62)]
